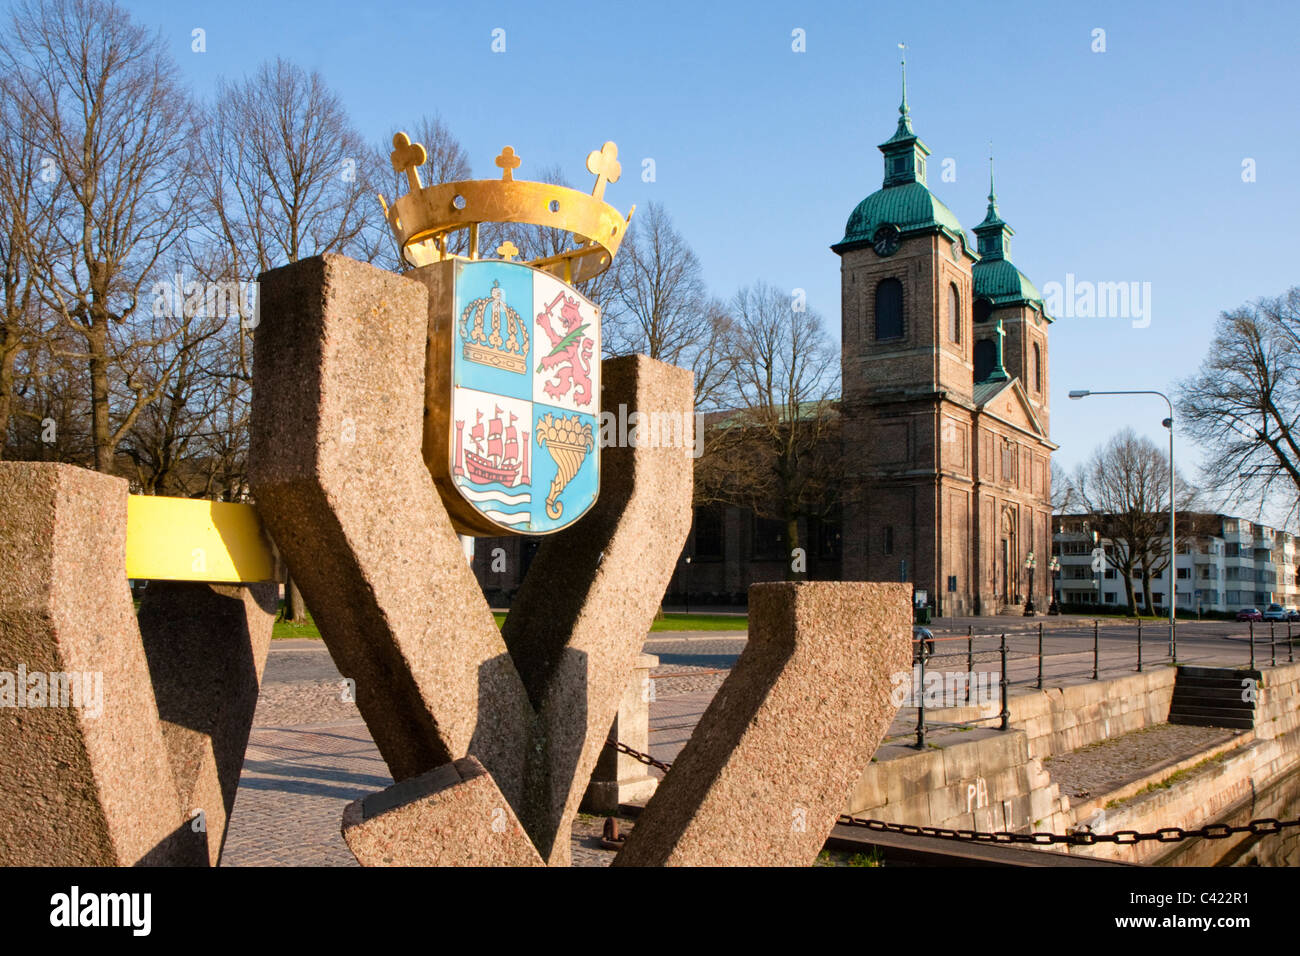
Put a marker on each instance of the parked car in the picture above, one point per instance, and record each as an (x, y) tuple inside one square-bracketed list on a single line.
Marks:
[(1249, 614), (1292, 614), (1274, 612), (924, 634)]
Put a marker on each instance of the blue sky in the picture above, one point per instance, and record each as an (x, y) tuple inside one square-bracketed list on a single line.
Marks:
[(1123, 165)]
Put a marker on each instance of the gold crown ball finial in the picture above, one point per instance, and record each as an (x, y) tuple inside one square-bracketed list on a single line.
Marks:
[(424, 219)]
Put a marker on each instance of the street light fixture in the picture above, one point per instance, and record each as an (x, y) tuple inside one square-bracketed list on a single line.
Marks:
[(1054, 566), (1169, 424), (1031, 563)]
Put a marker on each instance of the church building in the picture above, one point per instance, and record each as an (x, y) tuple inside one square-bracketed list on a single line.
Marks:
[(945, 451), (945, 398)]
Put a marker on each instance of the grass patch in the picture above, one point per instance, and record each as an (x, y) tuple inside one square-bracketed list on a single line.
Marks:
[(681, 622), (1169, 781), (670, 622), (701, 622), (283, 630), (873, 858)]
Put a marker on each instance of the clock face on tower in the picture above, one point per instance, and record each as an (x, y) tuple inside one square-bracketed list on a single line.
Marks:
[(886, 241)]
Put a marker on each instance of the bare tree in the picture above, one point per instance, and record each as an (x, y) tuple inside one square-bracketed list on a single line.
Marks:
[(103, 106), (1244, 403), (777, 452), (660, 306), (25, 235), (1062, 490), (283, 175), (1125, 488)]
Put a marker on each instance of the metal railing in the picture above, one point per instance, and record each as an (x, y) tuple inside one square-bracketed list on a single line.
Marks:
[(928, 650)]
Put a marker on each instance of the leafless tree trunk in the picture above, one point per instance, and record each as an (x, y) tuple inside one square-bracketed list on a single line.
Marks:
[(25, 234), (777, 453), (103, 107), (660, 307), (283, 175), (1244, 403), (1125, 487)]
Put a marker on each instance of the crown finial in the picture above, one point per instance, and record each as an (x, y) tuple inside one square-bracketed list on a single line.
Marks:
[(604, 165), (508, 162), (408, 157)]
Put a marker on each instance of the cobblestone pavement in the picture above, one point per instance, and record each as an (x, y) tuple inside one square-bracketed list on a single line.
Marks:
[(310, 753), (292, 791), (1102, 767)]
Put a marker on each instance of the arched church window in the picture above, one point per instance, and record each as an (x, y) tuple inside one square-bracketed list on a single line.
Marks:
[(1038, 369), (889, 310), (954, 314), (985, 353), (983, 310)]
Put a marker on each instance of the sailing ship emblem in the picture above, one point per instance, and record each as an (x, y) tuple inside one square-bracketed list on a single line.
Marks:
[(501, 461)]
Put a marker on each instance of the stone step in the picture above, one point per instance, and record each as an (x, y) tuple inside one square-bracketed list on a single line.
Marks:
[(1231, 692), (1210, 709), (1195, 720), (1220, 673)]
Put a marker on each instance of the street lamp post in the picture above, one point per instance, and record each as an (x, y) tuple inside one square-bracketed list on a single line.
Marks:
[(1173, 554), (1054, 566), (1030, 564)]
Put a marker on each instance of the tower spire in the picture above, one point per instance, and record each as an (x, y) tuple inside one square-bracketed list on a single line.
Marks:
[(993, 196), (904, 117), (993, 235)]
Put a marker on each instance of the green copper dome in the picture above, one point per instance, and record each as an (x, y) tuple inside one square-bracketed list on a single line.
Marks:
[(911, 207), (1002, 283)]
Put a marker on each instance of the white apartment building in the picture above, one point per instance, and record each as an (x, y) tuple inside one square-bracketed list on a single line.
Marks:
[(1227, 564)]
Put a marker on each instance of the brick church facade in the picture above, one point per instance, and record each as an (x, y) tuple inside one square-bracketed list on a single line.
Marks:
[(944, 421), (945, 398)]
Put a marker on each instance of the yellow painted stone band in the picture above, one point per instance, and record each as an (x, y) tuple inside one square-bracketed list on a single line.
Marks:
[(191, 539)]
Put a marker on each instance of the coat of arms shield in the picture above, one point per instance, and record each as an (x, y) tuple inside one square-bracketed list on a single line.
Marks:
[(517, 449)]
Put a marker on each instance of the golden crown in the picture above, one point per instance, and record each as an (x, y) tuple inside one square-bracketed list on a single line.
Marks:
[(426, 217)]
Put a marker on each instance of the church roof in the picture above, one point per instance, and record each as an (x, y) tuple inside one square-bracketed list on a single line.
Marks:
[(909, 207), (985, 392), (999, 281)]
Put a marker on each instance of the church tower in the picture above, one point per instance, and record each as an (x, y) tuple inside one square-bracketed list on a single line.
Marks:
[(945, 398), (908, 378), (1005, 296)]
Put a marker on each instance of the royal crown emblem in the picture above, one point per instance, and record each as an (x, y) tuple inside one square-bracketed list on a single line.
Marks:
[(512, 403), (481, 327)]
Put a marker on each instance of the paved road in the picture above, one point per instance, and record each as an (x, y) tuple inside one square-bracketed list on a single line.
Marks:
[(310, 754)]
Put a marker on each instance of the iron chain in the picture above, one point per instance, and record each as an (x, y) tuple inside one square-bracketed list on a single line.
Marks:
[(1211, 831)]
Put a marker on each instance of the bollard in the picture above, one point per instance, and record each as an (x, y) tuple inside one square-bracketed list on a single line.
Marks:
[(1139, 645), (920, 703), (1006, 712), (1040, 656), (1272, 646), (1252, 645), (1094, 650)]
